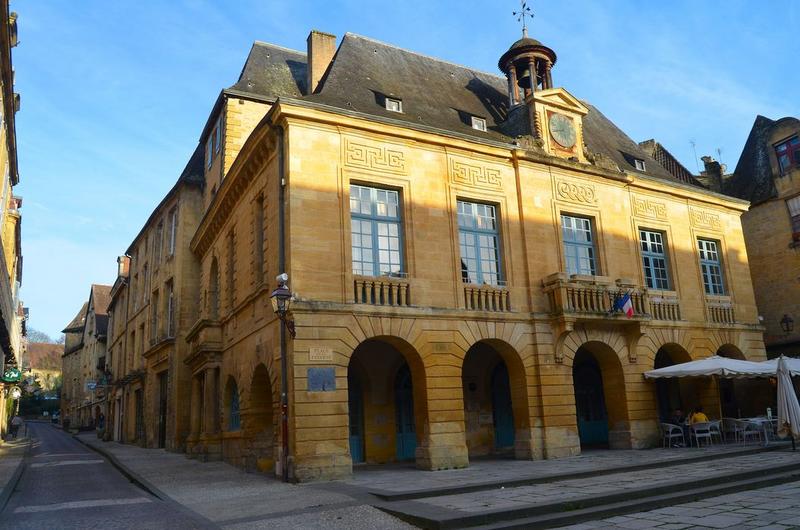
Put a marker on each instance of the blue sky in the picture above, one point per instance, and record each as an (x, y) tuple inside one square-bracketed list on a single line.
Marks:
[(115, 94)]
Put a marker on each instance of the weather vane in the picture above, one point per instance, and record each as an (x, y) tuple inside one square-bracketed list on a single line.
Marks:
[(522, 16)]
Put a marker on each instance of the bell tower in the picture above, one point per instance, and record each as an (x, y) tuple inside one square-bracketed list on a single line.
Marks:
[(527, 65)]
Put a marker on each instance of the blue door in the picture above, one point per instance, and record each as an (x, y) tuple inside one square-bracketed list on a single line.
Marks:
[(406, 435), (590, 403), (356, 409), (502, 411)]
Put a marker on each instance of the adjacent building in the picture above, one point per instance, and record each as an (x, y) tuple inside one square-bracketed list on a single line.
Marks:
[(84, 364), (481, 264), (12, 315), (768, 175)]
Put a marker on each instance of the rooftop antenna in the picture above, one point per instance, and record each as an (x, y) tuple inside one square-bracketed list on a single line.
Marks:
[(719, 155), (694, 149), (522, 16)]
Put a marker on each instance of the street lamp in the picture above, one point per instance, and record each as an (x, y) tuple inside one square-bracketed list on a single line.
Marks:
[(787, 324), (281, 301)]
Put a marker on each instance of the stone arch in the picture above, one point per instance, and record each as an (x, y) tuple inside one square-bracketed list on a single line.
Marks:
[(388, 433), (677, 340), (595, 355), (481, 394), (730, 351), (606, 340), (259, 421), (672, 393)]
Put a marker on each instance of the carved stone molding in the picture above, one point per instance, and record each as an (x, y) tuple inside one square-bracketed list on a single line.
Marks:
[(649, 208), (374, 156), (704, 219), (475, 175), (575, 192)]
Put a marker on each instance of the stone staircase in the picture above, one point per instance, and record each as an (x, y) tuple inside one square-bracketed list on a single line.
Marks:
[(560, 499)]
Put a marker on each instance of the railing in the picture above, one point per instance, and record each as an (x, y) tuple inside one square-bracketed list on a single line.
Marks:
[(381, 291), (665, 307), (719, 310), (486, 298), (592, 295)]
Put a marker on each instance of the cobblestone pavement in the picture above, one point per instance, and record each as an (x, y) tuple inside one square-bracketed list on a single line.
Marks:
[(562, 490), (776, 507), (405, 477)]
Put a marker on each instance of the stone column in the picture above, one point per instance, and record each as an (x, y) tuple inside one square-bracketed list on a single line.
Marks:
[(548, 74), (534, 74), (196, 407), (514, 85), (209, 402)]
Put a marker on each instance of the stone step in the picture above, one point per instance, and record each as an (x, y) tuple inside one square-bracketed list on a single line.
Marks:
[(579, 508), (527, 480)]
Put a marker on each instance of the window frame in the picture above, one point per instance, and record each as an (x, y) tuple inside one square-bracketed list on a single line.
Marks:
[(169, 295), (478, 123), (792, 154), (570, 243), (794, 218), (209, 152), (655, 255), (639, 164), (475, 232), (706, 263), (173, 231), (375, 220), (234, 413), (218, 136), (399, 102)]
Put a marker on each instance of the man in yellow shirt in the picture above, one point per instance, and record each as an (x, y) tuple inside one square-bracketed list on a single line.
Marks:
[(698, 416)]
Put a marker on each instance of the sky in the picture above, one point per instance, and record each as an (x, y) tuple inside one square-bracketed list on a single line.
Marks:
[(115, 94)]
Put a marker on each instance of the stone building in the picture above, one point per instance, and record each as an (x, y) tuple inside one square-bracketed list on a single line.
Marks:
[(46, 364), (153, 306), (768, 175), (12, 315), (84, 362), (481, 264)]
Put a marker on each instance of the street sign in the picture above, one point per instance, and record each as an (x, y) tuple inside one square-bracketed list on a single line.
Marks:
[(12, 375), (91, 385)]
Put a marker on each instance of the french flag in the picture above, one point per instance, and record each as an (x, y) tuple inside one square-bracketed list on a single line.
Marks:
[(625, 305)]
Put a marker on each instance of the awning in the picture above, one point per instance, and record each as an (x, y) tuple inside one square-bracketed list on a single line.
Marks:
[(716, 366)]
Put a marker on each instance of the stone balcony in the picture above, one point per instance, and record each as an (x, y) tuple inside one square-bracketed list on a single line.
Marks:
[(492, 298), (719, 310), (382, 290)]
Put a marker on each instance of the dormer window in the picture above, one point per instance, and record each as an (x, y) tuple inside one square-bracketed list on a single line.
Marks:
[(639, 163), (479, 124), (788, 153), (394, 105)]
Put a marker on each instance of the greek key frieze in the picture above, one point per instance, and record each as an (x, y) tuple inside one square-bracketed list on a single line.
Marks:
[(474, 175), (573, 192), (704, 219), (649, 208), (376, 157)]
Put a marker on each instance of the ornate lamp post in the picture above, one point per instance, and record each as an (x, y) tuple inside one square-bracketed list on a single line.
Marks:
[(281, 302), (787, 324)]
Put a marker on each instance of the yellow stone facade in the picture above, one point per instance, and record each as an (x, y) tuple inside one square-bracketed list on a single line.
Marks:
[(422, 365)]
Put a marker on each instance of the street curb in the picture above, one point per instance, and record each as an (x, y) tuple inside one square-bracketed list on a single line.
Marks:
[(8, 489), (144, 484)]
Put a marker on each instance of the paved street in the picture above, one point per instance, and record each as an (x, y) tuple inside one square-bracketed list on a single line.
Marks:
[(65, 485)]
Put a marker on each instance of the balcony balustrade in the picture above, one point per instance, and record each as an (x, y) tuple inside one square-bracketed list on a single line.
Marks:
[(486, 298), (382, 290), (719, 310)]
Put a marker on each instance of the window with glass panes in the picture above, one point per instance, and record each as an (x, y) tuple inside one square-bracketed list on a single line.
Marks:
[(710, 266), (788, 153), (375, 231), (793, 205), (479, 240), (654, 259), (234, 416), (579, 251)]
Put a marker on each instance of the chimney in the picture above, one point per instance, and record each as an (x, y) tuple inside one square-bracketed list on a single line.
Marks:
[(123, 266), (321, 48), (713, 173)]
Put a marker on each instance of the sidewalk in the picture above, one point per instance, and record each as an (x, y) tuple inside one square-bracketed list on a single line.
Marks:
[(237, 500), (12, 453)]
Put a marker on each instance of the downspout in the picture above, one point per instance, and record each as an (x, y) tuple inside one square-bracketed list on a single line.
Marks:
[(281, 269)]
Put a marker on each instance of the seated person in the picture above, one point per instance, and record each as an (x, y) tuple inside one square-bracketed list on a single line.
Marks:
[(698, 416), (677, 417)]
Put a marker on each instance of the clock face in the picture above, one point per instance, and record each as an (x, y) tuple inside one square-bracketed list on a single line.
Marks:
[(562, 130)]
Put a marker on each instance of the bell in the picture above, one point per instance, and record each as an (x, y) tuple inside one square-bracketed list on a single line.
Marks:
[(524, 80)]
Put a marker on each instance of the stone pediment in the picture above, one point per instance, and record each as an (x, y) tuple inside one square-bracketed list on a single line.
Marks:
[(561, 99)]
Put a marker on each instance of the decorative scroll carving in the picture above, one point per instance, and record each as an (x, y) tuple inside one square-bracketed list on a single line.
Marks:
[(649, 208), (704, 219), (571, 191), (469, 174), (376, 157)]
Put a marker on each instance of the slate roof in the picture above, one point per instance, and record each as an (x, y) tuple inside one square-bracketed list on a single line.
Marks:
[(77, 323), (443, 95), (273, 71), (101, 297), (752, 179), (668, 161)]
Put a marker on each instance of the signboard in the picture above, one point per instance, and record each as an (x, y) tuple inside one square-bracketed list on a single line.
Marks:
[(321, 379), (12, 375), (91, 385), (320, 355)]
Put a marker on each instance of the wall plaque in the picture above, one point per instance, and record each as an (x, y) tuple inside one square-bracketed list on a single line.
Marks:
[(649, 208), (320, 355), (575, 192), (321, 379), (475, 175), (381, 157)]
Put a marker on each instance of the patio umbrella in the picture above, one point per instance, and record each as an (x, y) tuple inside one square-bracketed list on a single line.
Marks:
[(788, 407), (712, 366)]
